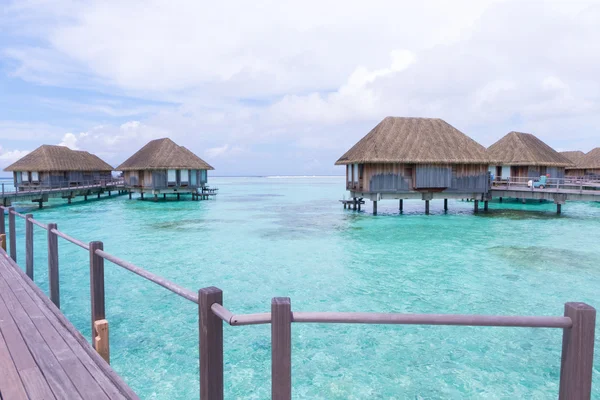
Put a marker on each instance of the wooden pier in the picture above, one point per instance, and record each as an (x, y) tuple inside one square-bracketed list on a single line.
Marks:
[(47, 358), (64, 191), (42, 355)]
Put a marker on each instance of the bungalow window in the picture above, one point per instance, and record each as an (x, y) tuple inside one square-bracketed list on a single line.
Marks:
[(35, 177), (355, 173), (193, 177), (203, 175), (185, 176), (348, 173), (171, 177), (19, 176), (25, 176)]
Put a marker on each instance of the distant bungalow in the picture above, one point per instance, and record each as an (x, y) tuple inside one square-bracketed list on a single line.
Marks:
[(587, 165), (522, 155), (416, 158), (575, 157), (50, 167), (163, 167)]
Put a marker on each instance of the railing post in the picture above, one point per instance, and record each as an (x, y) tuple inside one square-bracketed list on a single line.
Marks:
[(2, 223), (53, 281), (211, 344), (12, 231), (281, 348), (577, 353), (29, 246), (96, 285)]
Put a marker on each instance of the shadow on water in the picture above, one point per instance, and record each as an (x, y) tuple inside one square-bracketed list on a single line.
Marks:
[(545, 258), (508, 213)]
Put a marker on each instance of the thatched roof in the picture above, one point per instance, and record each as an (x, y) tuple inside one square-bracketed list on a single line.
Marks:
[(415, 141), (517, 148), (59, 158), (591, 160), (575, 157), (163, 154)]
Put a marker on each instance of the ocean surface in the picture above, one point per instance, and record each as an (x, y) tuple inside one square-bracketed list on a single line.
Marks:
[(268, 237)]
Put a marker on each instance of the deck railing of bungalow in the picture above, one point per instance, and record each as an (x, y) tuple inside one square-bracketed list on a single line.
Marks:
[(578, 322)]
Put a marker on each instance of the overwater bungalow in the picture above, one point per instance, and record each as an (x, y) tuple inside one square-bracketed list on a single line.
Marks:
[(416, 158), (523, 156), (575, 157), (590, 163), (49, 167), (163, 167)]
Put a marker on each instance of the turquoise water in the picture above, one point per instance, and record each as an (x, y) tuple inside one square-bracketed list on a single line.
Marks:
[(267, 237)]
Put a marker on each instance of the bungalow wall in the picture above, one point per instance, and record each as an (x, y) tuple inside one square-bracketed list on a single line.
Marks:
[(574, 172), (57, 179), (393, 178), (166, 179), (535, 171)]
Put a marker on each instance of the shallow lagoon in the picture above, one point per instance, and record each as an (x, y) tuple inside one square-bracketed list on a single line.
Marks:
[(266, 237)]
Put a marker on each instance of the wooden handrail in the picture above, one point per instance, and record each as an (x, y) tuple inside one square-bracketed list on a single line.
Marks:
[(432, 319), (181, 291), (71, 239), (396, 319)]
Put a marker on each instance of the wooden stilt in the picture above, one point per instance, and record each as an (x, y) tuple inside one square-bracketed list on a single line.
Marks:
[(98, 194), (500, 199), (485, 205), (85, 197), (445, 204), (476, 205), (164, 196), (401, 205), (178, 197), (142, 195), (558, 208), (130, 195), (69, 200), (375, 207), (427, 207), (354, 204)]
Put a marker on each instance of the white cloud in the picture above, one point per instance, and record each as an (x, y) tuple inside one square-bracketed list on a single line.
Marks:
[(8, 157)]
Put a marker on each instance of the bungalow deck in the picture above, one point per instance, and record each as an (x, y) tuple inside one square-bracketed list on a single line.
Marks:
[(67, 192), (42, 355)]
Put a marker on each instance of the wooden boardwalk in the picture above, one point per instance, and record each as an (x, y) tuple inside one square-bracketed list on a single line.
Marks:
[(42, 355)]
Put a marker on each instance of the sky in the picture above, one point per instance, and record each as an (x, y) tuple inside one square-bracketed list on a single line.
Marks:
[(286, 87)]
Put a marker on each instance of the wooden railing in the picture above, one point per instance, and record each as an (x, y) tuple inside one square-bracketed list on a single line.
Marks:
[(59, 186), (568, 183), (578, 322)]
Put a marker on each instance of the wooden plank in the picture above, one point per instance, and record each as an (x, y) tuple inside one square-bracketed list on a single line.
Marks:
[(81, 378), (36, 385), (281, 348), (111, 383), (211, 344), (57, 378), (11, 386), (577, 353), (53, 279), (33, 380)]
